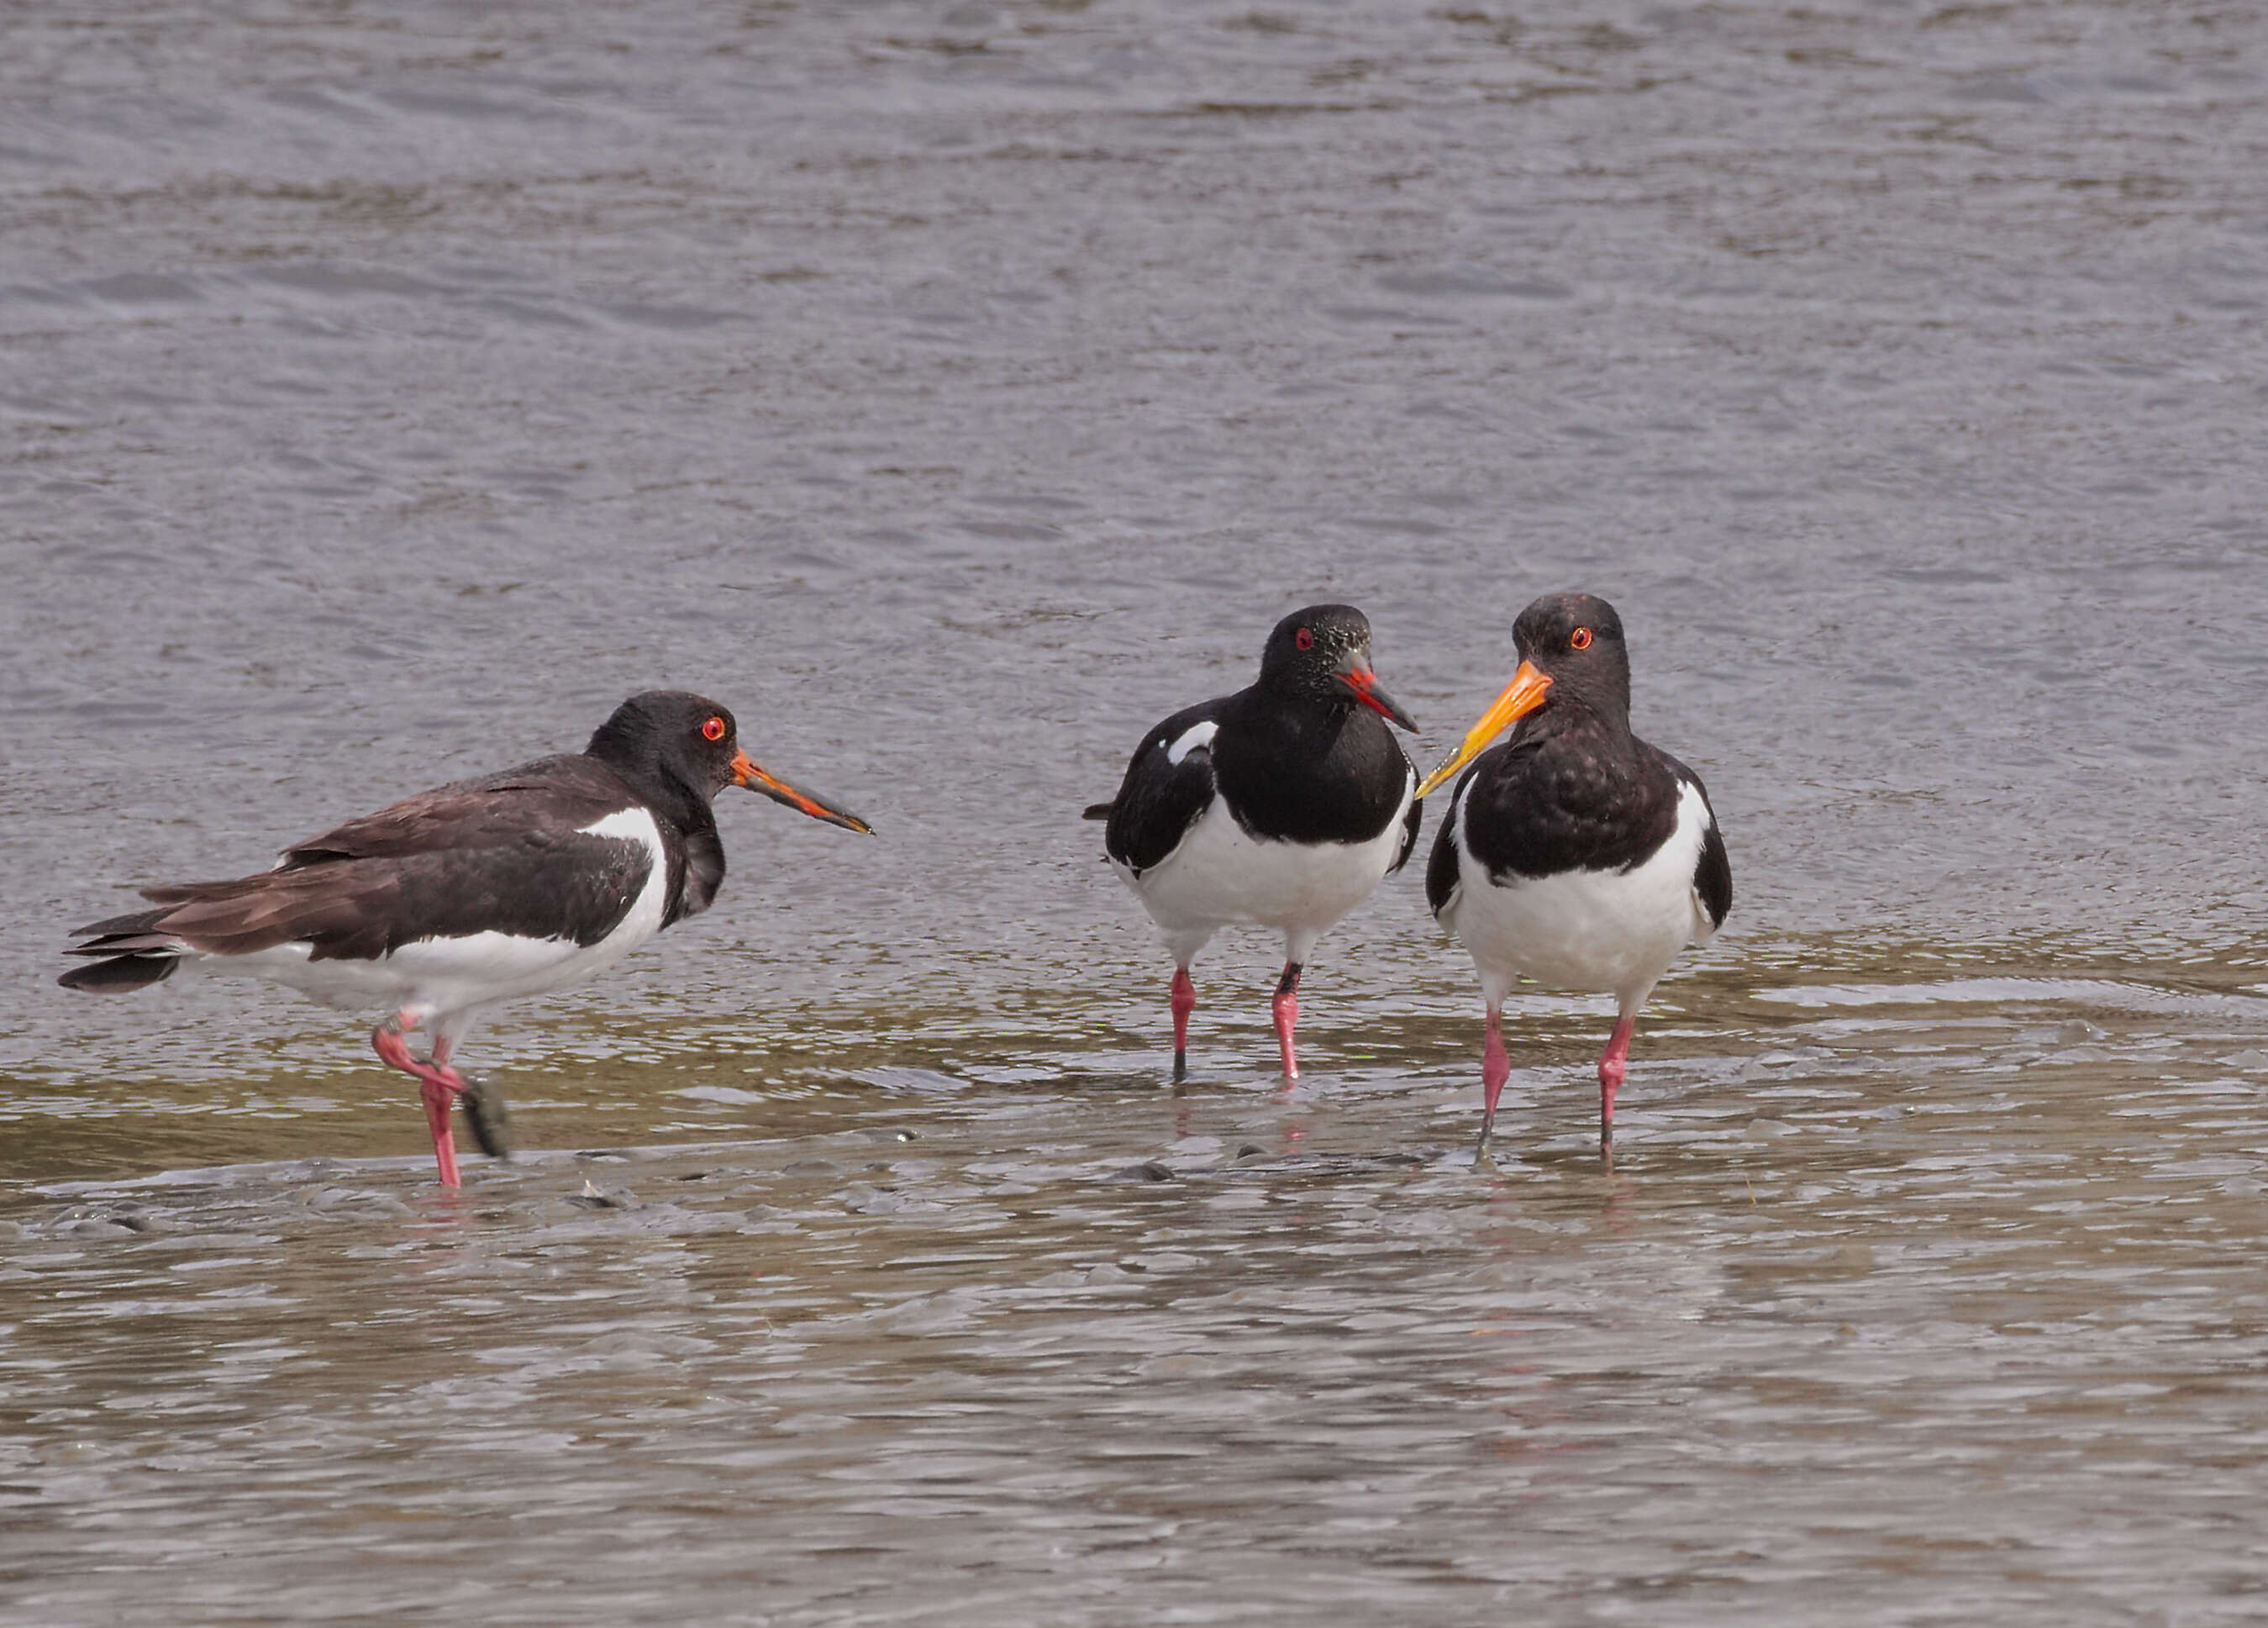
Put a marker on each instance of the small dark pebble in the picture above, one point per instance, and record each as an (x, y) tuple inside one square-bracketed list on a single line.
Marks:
[(1252, 1150), (1148, 1171)]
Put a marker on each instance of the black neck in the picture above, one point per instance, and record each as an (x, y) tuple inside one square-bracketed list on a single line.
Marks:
[(1305, 767), (660, 790)]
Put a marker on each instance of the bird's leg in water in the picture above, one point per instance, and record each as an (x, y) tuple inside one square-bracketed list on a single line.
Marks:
[(1496, 1068), (1610, 1075), (1184, 1002), (1286, 1005), (440, 1087)]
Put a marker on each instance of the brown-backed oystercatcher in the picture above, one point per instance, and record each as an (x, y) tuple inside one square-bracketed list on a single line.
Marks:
[(1573, 854), (1282, 806), (481, 891)]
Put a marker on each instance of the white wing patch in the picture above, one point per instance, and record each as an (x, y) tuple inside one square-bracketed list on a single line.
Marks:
[(629, 825), (1195, 736)]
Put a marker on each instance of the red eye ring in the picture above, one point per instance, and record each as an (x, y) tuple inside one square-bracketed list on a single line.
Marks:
[(1580, 639), (1305, 639), (714, 729)]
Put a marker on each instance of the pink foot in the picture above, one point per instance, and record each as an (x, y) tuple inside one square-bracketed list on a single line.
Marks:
[(1184, 1002)]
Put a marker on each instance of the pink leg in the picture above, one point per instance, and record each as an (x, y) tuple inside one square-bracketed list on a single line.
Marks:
[(1611, 1073), (1496, 1068), (439, 1087), (1185, 1002), (1286, 1005)]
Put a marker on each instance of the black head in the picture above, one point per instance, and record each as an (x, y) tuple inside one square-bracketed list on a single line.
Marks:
[(1324, 654), (1572, 665), (689, 739), (666, 741), (1575, 641)]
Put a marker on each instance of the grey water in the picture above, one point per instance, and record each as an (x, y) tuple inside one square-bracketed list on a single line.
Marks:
[(386, 390)]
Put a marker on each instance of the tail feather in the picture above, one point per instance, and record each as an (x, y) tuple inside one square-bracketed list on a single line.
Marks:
[(240, 917), (128, 944), (120, 974), (233, 924), (128, 952), (133, 923), (185, 892)]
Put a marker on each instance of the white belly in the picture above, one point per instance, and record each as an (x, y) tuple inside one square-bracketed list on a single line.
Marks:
[(1616, 931), (1222, 875)]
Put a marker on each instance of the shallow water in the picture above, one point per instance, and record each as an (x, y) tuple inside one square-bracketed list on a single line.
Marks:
[(955, 390)]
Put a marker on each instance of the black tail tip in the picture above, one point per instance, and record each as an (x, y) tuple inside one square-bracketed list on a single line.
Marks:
[(1098, 811), (120, 974)]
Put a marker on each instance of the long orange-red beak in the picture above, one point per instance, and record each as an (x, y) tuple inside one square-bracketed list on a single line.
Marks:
[(1362, 682), (747, 771), (1521, 697)]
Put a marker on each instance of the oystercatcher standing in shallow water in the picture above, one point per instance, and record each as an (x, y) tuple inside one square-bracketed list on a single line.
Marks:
[(474, 893), (1282, 806), (1574, 854)]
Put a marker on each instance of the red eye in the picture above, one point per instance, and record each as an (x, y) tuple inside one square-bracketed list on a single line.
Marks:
[(714, 729), (1580, 639), (1305, 639)]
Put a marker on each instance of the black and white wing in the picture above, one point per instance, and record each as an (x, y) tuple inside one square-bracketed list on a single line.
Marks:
[(1442, 876), (1411, 822), (1168, 785), (1712, 871)]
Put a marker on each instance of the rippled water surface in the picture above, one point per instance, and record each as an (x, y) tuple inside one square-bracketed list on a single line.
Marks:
[(954, 389)]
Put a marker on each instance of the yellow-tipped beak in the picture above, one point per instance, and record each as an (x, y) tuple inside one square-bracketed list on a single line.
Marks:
[(1521, 697)]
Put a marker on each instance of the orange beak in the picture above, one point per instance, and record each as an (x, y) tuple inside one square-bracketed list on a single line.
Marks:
[(748, 772), (1521, 697)]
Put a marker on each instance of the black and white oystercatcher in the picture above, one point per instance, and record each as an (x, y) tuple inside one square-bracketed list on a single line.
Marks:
[(1282, 806), (473, 893), (1574, 854)]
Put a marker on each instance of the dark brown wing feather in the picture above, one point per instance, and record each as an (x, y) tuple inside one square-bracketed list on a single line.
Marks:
[(508, 853), (547, 885), (570, 791)]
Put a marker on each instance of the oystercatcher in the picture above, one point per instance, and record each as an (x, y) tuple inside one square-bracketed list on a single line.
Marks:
[(1574, 854), (1281, 806), (473, 893)]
